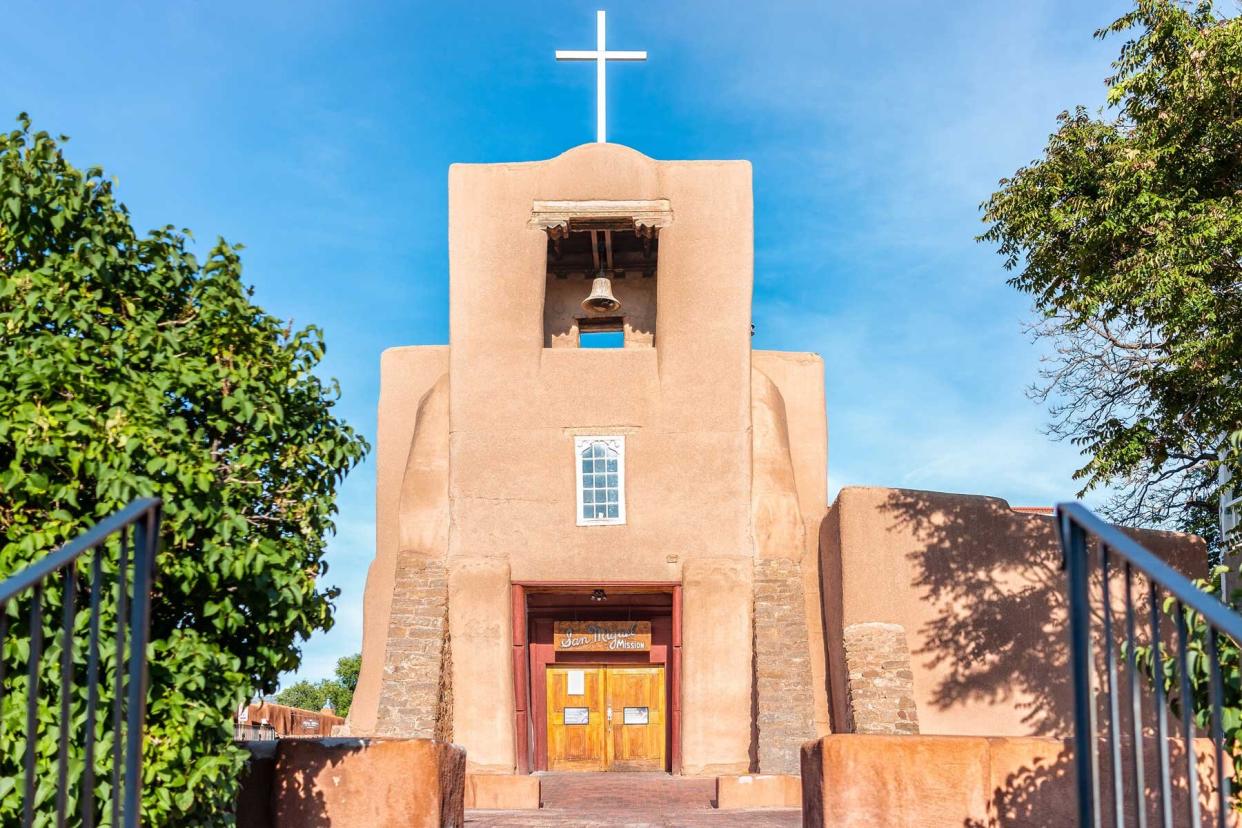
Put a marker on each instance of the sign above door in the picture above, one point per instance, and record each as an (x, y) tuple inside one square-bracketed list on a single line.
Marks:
[(602, 636)]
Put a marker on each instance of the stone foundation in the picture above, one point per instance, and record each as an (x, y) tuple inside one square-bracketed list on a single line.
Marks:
[(415, 694), (881, 681), (784, 707)]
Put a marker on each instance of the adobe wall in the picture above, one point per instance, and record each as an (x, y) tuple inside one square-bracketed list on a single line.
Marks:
[(516, 406), (352, 783), (406, 375), (978, 592), (799, 377), (856, 781), (683, 406), (476, 483), (783, 710)]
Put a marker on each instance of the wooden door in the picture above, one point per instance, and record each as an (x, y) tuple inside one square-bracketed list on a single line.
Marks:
[(577, 719), (635, 718)]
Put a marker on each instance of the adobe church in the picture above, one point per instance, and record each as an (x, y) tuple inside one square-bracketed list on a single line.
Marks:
[(603, 539), (599, 557)]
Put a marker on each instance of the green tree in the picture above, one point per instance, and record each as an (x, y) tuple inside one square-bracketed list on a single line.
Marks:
[(340, 690), (347, 669), (1127, 234), (129, 367)]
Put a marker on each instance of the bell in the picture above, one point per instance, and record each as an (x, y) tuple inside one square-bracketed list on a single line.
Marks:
[(601, 299)]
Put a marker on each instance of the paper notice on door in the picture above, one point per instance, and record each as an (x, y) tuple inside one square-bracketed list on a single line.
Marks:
[(576, 679), (635, 715)]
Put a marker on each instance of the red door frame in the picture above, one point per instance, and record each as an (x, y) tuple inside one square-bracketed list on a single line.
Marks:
[(523, 726)]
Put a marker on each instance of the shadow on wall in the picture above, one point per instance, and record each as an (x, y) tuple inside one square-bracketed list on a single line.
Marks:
[(993, 635), (314, 783), (991, 630), (992, 580), (1035, 795), (1042, 792), (264, 790)]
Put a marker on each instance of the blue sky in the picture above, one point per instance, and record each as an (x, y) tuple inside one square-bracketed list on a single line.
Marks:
[(319, 133)]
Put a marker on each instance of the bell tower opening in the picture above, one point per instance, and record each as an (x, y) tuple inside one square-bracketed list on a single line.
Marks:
[(602, 272), (600, 279)]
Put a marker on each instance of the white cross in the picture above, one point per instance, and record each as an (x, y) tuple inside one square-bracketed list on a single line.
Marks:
[(601, 56)]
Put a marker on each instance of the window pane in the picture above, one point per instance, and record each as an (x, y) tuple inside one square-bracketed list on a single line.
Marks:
[(598, 475)]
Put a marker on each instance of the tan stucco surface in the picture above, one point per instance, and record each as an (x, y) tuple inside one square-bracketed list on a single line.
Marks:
[(488, 476), (406, 375), (858, 781), (776, 517), (479, 624), (360, 783), (516, 405), (683, 407), (979, 591), (716, 618), (799, 377)]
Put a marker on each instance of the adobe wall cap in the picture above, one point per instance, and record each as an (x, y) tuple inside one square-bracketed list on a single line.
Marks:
[(870, 491), (596, 148), (395, 349), (789, 356)]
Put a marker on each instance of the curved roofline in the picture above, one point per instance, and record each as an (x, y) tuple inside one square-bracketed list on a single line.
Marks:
[(594, 146)]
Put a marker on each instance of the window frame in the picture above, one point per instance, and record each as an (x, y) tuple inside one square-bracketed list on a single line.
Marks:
[(616, 442)]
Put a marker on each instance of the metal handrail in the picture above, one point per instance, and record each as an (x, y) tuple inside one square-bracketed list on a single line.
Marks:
[(136, 551), (1126, 556), (1216, 612)]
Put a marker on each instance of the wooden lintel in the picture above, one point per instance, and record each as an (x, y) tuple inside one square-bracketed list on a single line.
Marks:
[(642, 216)]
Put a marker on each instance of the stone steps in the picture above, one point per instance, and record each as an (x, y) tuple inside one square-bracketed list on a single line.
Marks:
[(633, 800)]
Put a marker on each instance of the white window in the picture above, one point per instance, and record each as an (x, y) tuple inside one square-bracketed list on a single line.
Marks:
[(1230, 506), (1231, 515), (600, 463)]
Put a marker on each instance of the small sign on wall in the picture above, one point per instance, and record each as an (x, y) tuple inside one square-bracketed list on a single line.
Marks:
[(577, 715), (602, 636), (575, 681)]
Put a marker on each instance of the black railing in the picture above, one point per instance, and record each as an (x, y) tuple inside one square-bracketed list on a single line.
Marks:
[(100, 585), (1113, 578)]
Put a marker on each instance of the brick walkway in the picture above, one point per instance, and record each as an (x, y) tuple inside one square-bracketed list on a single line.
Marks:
[(630, 800)]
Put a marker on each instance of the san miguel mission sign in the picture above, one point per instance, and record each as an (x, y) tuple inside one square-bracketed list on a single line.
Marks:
[(602, 636)]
